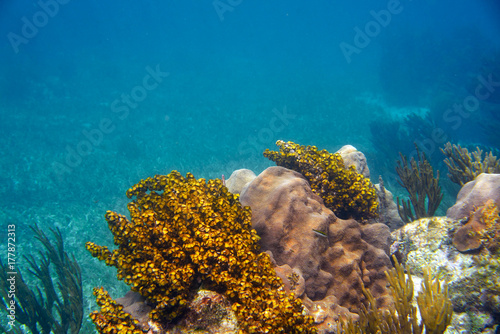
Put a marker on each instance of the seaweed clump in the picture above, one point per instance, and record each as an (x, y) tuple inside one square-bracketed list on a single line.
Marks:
[(57, 311), (344, 191), (417, 177), (464, 167), (435, 308), (185, 234)]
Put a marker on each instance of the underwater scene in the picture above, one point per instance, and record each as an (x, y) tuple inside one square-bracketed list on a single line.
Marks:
[(232, 166)]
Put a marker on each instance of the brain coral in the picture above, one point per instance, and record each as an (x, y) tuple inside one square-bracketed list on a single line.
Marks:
[(346, 192), (186, 233)]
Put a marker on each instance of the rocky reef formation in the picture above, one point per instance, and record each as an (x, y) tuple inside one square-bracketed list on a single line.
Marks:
[(471, 279), (239, 179), (331, 256), (480, 230), (388, 213), (475, 194), (352, 157), (463, 249)]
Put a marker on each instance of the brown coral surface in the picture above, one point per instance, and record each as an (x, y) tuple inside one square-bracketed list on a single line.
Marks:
[(333, 255), (482, 229), (475, 194)]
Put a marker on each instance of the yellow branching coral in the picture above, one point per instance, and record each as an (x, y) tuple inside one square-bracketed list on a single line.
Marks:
[(435, 306), (112, 318), (344, 191), (185, 233), (433, 302), (402, 294)]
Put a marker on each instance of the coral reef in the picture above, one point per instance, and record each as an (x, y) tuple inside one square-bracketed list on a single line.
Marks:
[(481, 234), (481, 229), (488, 266), (475, 194), (435, 308), (56, 310), (426, 243), (464, 167), (434, 305), (186, 233), (344, 191), (209, 312), (490, 235), (112, 318), (326, 256), (418, 179), (352, 157), (135, 305), (388, 210), (239, 179)]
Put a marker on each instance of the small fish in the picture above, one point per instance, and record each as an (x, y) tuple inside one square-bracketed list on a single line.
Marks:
[(322, 234)]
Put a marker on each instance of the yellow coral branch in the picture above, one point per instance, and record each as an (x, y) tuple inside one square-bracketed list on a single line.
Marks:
[(434, 304)]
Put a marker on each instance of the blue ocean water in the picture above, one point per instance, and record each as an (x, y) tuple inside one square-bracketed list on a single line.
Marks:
[(95, 96)]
